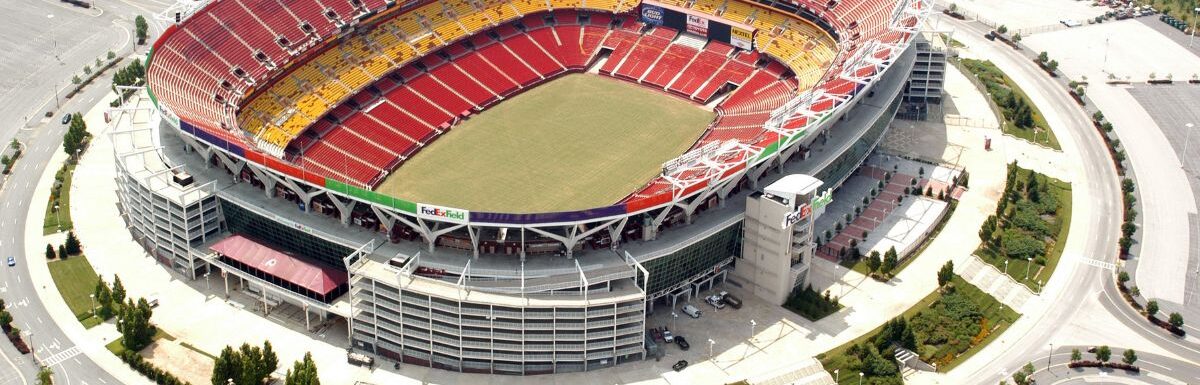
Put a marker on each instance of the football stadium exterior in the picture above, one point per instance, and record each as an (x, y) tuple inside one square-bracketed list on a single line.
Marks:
[(226, 166)]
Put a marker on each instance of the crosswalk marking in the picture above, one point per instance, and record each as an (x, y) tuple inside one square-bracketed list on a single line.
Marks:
[(1098, 263), (61, 356)]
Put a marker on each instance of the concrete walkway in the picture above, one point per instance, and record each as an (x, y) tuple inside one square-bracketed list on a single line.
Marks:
[(994, 282)]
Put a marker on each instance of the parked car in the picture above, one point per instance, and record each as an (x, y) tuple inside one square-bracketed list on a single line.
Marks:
[(683, 344), (12, 261), (679, 365), (715, 301), (691, 311), (66, 119), (731, 300), (667, 336)]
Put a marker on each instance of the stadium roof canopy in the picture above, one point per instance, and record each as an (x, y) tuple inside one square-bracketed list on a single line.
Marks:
[(320, 281)]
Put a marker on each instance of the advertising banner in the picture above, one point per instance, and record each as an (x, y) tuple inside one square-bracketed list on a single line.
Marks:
[(741, 38), (652, 14), (796, 216), (697, 25), (440, 213)]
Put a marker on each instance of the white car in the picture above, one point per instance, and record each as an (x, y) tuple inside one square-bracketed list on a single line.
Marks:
[(691, 311), (715, 301), (667, 336)]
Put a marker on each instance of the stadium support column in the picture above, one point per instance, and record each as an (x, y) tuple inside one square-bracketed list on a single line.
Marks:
[(268, 179), (232, 164), (387, 220), (344, 209)]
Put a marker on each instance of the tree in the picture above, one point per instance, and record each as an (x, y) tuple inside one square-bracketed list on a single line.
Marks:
[(1099, 117), (111, 55), (76, 80), (118, 290), (1017, 38), (87, 70), (873, 262), (62, 251), (1103, 353), (1123, 277), (1052, 65), (1003, 29), (50, 252), (247, 365), (270, 360), (141, 28), (104, 298), (134, 324), (1043, 57), (45, 376), (946, 273), (1130, 357), (5, 319), (303, 372), (1175, 319), (1152, 308), (227, 366), (1076, 355), (72, 244), (890, 259)]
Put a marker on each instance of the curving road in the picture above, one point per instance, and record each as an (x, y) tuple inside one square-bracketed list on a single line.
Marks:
[(47, 50), (1086, 281)]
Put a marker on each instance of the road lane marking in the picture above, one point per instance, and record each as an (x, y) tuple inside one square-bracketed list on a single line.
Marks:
[(1097, 263), (61, 356)]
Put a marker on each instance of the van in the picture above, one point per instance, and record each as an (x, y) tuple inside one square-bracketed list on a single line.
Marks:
[(691, 311)]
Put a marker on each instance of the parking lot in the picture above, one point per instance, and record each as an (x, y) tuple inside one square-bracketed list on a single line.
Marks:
[(727, 328)]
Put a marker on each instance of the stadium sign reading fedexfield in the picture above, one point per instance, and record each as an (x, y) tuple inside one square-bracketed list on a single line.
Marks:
[(443, 213)]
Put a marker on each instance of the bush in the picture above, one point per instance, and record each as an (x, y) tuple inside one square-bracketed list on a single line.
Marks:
[(812, 305)]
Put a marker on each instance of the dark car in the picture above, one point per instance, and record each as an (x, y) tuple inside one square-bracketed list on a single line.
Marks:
[(12, 261), (683, 344), (66, 119), (679, 365)]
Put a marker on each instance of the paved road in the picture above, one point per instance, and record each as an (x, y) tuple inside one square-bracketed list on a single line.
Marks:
[(1155, 369), (1101, 180), (48, 50)]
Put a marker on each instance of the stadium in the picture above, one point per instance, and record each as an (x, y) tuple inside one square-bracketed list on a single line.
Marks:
[(494, 186)]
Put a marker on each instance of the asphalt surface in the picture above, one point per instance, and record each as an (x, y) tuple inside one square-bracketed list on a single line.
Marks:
[(42, 52), (1155, 369), (1101, 180)]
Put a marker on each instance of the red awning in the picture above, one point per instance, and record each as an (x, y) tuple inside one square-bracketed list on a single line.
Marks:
[(313, 276)]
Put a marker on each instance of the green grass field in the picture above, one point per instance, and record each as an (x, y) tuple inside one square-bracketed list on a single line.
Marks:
[(76, 281), (578, 142)]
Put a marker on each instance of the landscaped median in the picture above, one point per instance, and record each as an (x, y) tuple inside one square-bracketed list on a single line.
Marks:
[(1021, 118), (76, 281), (944, 329), (1026, 236)]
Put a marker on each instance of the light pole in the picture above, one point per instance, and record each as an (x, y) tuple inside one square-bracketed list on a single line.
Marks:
[(1006, 267), (837, 375), (1027, 266), (860, 377), (57, 219), (93, 298), (1187, 140), (752, 325), (1195, 23), (710, 348), (1048, 357), (674, 316)]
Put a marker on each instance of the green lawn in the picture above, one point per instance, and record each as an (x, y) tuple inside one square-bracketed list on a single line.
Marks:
[(1060, 226), (76, 281), (578, 142), (116, 348), (62, 220), (999, 85), (998, 317)]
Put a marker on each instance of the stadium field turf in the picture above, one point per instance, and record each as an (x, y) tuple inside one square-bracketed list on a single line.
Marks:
[(577, 142)]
